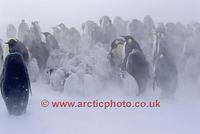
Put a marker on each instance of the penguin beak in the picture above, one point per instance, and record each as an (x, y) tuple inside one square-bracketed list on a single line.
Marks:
[(125, 37), (8, 42), (43, 34)]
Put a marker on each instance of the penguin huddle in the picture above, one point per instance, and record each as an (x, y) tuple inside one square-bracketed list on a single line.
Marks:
[(127, 55), (15, 82), (64, 52)]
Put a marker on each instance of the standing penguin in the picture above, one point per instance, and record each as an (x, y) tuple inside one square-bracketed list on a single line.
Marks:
[(91, 32), (41, 53), (17, 46), (51, 41), (22, 30), (135, 63), (138, 67), (115, 55), (109, 32), (166, 75), (115, 59), (11, 31), (33, 70), (165, 70), (15, 84)]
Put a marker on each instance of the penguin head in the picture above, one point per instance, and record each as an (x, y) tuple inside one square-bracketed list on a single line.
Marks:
[(128, 39), (46, 34), (23, 21), (11, 42), (160, 30), (62, 26), (35, 23), (105, 21), (117, 49), (116, 42)]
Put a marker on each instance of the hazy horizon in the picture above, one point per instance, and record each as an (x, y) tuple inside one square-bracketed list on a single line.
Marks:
[(74, 13)]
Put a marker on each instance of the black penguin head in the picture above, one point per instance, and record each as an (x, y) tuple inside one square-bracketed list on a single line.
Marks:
[(128, 39), (23, 21), (105, 21), (35, 22), (46, 34), (11, 42), (62, 26), (160, 29)]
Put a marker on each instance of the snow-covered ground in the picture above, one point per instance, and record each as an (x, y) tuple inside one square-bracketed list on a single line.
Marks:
[(177, 116)]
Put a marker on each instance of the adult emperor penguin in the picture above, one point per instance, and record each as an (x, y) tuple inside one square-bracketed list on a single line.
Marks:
[(135, 63), (11, 31), (17, 46), (15, 84), (22, 30), (51, 41), (165, 69)]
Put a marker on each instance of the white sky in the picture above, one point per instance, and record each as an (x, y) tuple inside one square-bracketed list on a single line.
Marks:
[(74, 12)]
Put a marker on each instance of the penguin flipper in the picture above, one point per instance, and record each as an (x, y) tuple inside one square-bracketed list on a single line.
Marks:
[(2, 77)]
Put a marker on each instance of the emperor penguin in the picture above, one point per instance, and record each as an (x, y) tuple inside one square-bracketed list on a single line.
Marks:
[(17, 46), (135, 63), (51, 41), (165, 69), (15, 84), (138, 67), (22, 30), (11, 31)]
